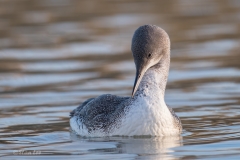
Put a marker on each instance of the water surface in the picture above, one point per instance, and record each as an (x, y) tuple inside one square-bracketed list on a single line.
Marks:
[(55, 54)]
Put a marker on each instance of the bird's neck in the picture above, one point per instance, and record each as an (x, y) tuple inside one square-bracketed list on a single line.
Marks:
[(154, 81)]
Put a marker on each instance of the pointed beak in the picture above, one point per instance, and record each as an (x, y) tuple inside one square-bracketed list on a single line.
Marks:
[(139, 74)]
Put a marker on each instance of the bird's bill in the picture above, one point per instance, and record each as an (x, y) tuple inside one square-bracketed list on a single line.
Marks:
[(139, 74)]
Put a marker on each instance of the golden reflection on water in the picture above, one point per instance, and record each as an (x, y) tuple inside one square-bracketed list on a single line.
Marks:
[(56, 53)]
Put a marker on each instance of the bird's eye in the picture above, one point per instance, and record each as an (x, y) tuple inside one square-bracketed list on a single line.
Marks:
[(149, 55)]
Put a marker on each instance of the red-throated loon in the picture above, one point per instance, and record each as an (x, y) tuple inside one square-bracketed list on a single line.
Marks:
[(145, 112)]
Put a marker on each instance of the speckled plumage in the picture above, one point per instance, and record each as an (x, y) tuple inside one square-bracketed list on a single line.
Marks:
[(145, 113), (101, 113)]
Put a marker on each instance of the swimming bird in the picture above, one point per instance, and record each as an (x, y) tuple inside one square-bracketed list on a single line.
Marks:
[(145, 112)]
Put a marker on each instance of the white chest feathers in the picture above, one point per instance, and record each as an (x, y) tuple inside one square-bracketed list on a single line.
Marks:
[(148, 114)]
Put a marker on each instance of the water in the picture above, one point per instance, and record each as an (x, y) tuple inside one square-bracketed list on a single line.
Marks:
[(55, 54)]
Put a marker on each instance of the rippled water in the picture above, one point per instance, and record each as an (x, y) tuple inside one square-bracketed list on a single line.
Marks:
[(57, 53)]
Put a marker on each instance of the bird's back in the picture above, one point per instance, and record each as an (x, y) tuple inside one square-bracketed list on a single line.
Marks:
[(99, 114)]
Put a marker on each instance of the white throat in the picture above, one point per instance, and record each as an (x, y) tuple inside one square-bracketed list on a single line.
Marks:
[(154, 81)]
